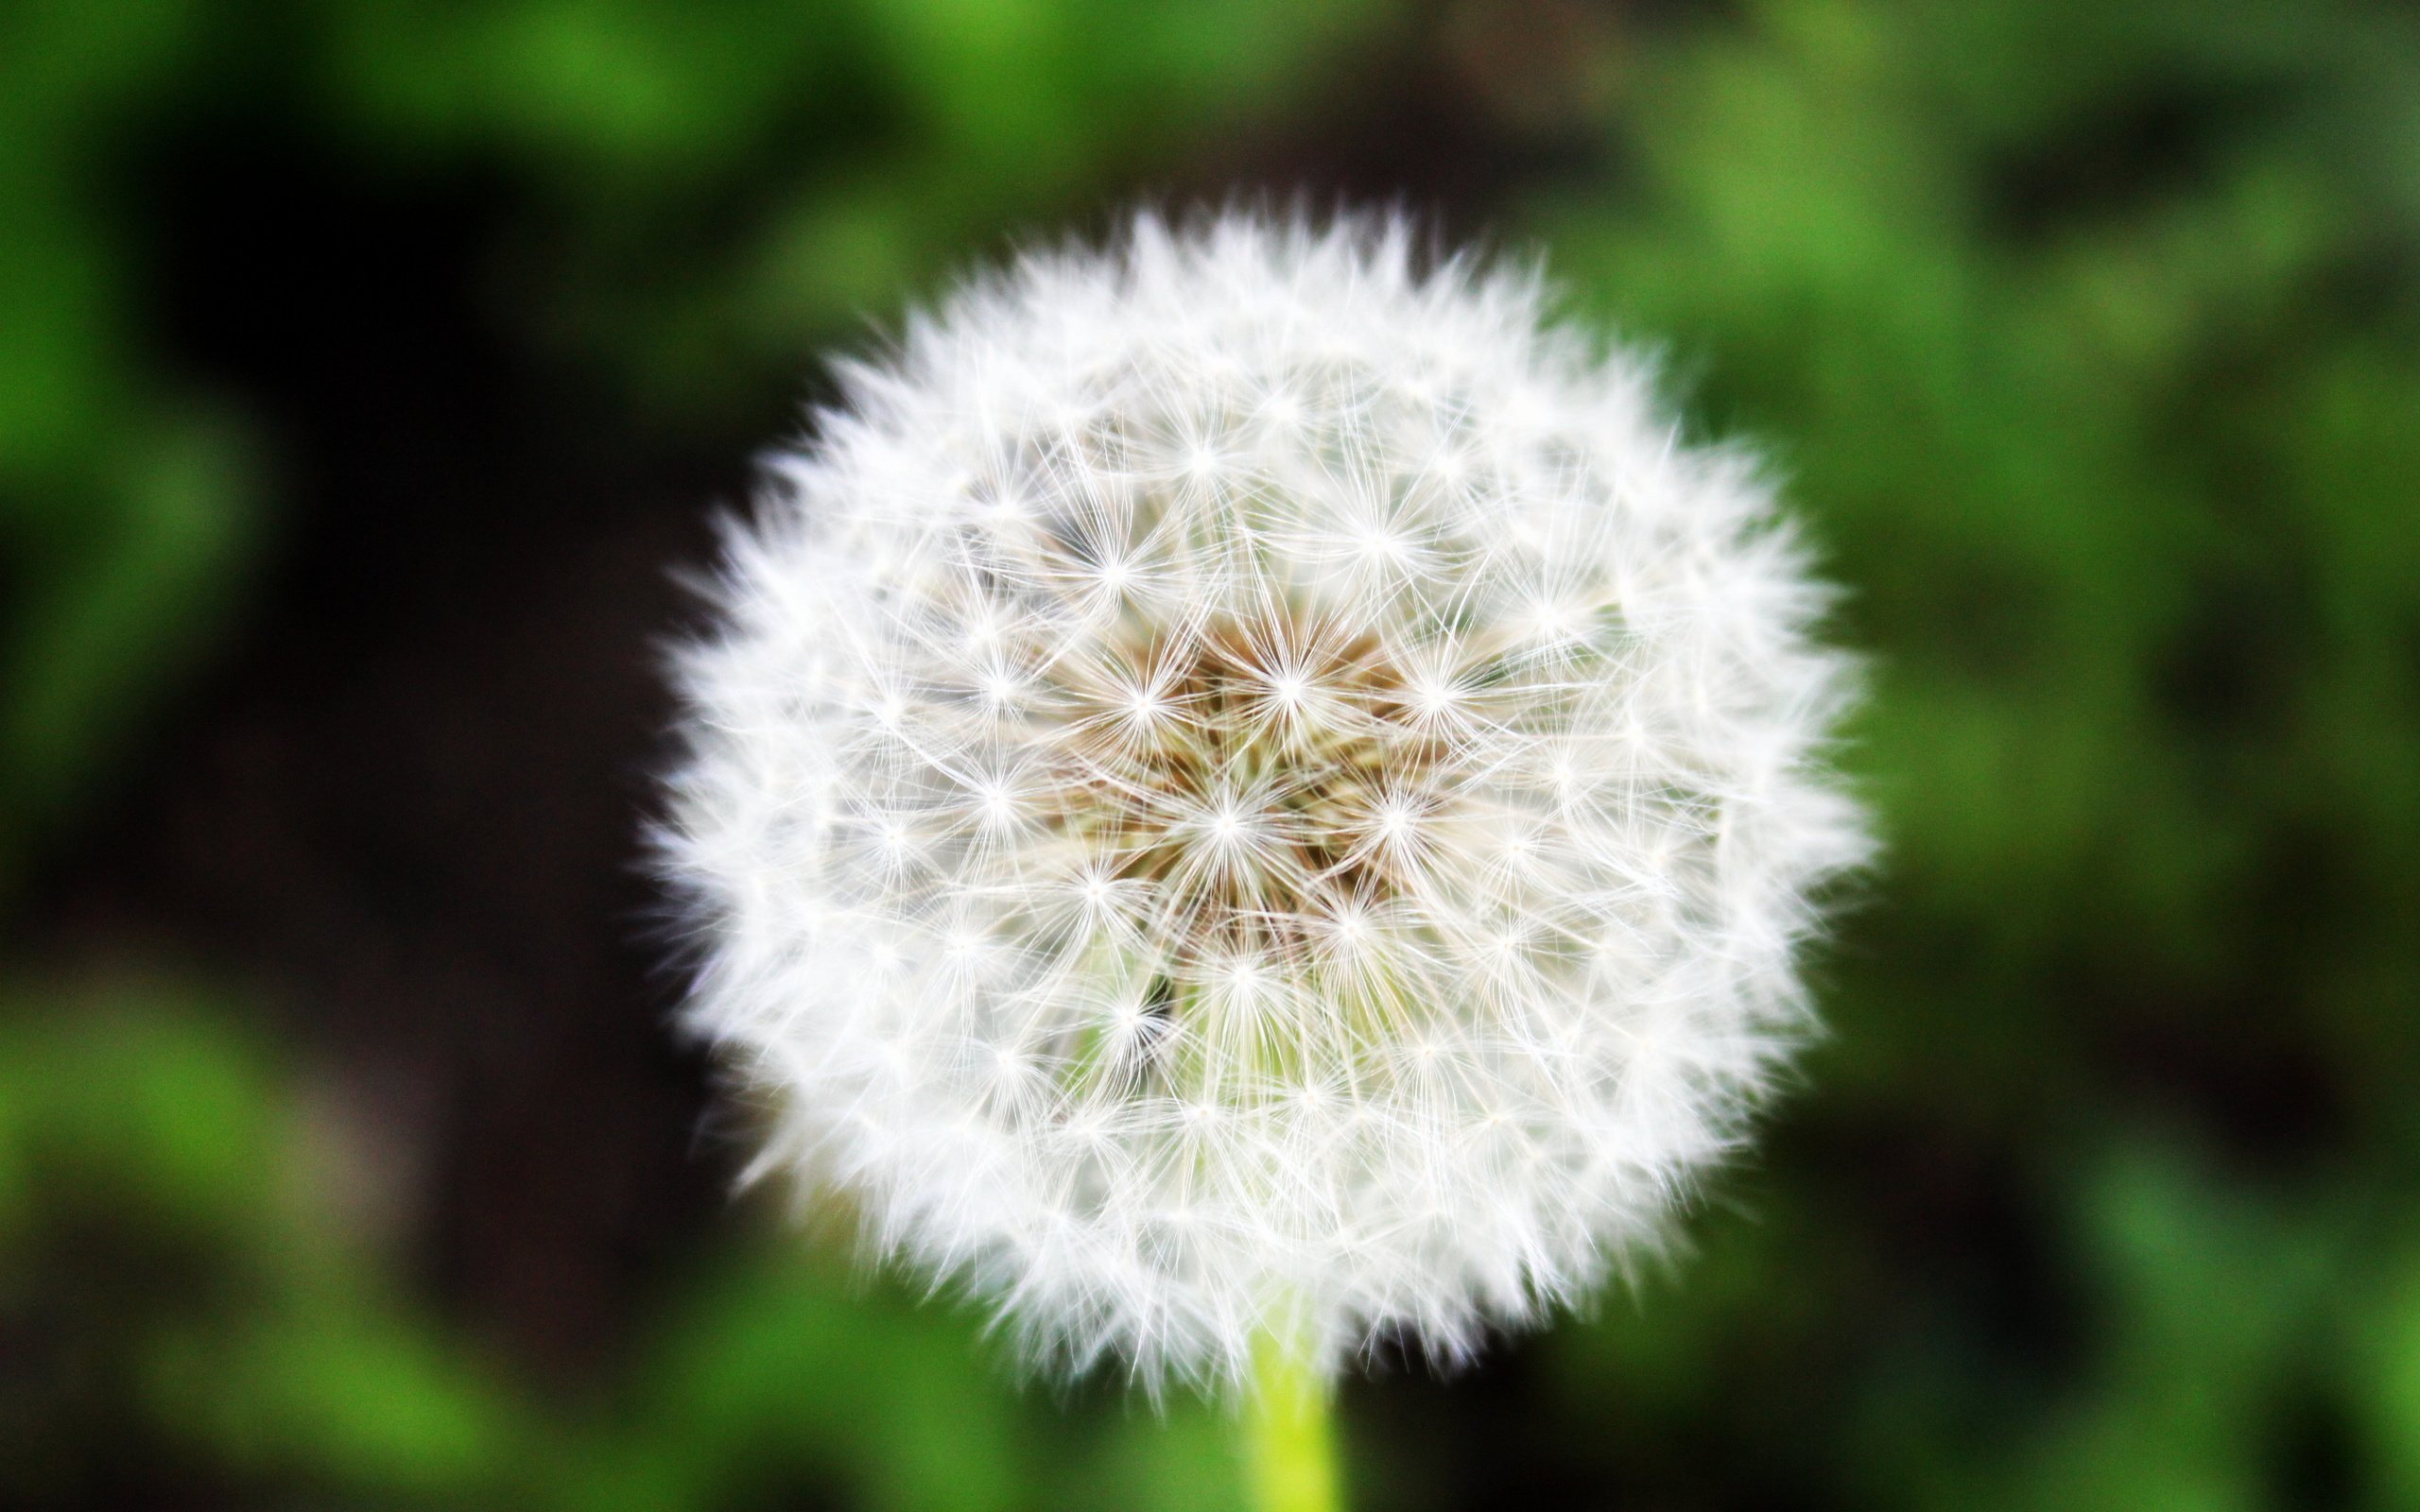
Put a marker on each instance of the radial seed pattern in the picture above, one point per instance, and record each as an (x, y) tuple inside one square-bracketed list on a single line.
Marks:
[(1243, 787)]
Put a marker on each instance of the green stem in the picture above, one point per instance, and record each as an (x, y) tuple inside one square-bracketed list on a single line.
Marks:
[(1289, 1438)]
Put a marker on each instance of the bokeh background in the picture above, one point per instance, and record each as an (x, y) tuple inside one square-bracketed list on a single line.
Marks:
[(369, 370)]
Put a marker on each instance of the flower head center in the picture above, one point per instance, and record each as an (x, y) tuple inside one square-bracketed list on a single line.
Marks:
[(1259, 777)]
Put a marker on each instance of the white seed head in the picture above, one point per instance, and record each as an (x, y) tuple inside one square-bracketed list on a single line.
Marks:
[(1243, 786)]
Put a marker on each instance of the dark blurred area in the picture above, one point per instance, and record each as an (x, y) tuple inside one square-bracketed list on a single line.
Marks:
[(369, 375)]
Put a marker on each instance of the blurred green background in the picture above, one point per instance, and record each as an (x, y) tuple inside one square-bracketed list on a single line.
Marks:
[(366, 367)]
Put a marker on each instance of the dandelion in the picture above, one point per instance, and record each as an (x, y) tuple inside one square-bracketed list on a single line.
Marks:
[(1251, 801)]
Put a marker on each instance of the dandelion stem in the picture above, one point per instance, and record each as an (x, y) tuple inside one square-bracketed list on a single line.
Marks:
[(1289, 1438)]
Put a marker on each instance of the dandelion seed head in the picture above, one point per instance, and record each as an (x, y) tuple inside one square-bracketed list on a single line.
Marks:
[(1243, 784)]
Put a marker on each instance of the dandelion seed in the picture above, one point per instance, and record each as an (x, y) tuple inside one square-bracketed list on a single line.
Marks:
[(1244, 790)]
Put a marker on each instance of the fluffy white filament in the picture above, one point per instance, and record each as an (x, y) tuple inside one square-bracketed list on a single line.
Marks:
[(1244, 787)]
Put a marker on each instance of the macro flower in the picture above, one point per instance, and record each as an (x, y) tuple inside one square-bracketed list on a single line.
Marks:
[(1247, 786)]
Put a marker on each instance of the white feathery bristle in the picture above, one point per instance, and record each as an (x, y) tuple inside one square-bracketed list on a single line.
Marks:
[(1245, 786)]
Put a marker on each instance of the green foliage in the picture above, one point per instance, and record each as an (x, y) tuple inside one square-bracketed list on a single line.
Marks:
[(875, 140), (122, 512), (162, 1242)]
